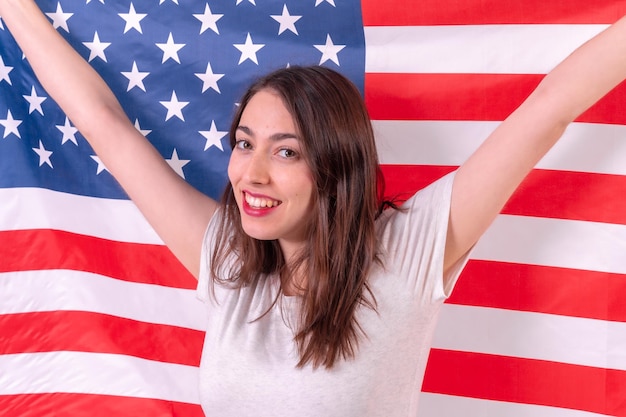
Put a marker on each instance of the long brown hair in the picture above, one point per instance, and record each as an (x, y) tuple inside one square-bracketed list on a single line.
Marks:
[(338, 143)]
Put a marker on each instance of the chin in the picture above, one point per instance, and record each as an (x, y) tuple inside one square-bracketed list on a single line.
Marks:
[(254, 233)]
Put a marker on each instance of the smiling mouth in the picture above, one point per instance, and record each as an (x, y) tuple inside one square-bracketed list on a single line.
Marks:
[(257, 202)]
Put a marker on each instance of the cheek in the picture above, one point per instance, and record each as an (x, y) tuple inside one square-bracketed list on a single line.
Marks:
[(232, 169), (308, 193)]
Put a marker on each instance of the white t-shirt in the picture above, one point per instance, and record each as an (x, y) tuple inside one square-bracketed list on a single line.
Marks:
[(248, 366)]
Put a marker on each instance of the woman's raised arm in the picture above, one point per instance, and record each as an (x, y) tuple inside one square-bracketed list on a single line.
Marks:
[(177, 211), (487, 179)]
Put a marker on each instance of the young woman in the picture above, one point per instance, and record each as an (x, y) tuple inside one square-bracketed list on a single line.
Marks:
[(319, 304)]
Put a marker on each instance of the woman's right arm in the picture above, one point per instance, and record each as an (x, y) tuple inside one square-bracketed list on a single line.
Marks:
[(178, 212)]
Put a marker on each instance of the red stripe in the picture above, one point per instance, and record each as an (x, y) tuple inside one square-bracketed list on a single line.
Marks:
[(567, 195), (489, 97), (23, 250), (402, 181), (480, 12), (94, 332), (72, 405), (526, 381), (446, 96), (544, 193), (542, 289)]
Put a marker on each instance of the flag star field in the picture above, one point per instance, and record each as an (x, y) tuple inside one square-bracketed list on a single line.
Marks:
[(178, 68)]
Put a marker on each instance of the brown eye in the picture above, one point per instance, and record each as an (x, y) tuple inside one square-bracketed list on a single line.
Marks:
[(243, 144), (288, 153)]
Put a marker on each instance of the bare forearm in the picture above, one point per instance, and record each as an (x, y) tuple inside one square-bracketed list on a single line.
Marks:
[(588, 73), (65, 75), (583, 78)]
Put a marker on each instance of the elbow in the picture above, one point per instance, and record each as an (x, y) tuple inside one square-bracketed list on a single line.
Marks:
[(559, 103), (94, 122)]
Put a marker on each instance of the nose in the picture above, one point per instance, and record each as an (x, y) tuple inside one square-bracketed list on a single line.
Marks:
[(257, 171)]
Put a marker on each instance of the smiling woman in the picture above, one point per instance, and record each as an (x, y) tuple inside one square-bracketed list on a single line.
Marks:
[(316, 165), (307, 298)]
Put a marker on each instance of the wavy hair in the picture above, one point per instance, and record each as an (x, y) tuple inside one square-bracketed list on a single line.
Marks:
[(341, 249)]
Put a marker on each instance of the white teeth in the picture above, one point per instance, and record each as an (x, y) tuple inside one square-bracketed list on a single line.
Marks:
[(260, 202)]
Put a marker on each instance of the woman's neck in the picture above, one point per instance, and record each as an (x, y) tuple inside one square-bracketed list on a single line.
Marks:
[(293, 282), (294, 279)]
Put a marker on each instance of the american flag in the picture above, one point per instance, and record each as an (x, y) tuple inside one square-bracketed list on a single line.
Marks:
[(98, 318)]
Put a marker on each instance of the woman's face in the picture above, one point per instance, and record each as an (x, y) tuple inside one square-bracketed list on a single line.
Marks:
[(271, 180)]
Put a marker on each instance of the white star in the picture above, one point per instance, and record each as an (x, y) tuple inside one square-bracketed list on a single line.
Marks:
[(101, 166), (4, 71), (173, 1), (44, 155), (34, 101), (177, 164), (287, 22), (248, 50), (135, 78), (329, 51), (170, 49), (59, 19), (10, 125), (174, 107), (97, 48), (89, 1), (1, 25), (132, 19), (251, 1), (213, 137), (208, 19), (143, 132), (209, 79), (318, 2), (69, 132)]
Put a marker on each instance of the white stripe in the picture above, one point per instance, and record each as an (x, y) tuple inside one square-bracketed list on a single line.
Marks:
[(97, 373), (50, 290), (432, 405), (507, 49), (550, 242), (555, 242), (584, 147), (571, 340), (36, 208)]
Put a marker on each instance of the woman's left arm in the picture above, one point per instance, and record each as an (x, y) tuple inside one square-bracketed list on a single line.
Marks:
[(484, 183)]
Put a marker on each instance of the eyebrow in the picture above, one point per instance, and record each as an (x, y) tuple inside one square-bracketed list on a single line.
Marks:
[(274, 137)]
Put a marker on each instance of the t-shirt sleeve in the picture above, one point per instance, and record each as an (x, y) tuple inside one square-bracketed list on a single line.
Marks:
[(414, 238)]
